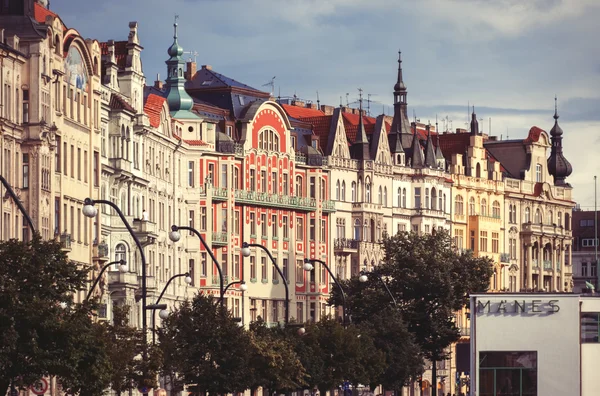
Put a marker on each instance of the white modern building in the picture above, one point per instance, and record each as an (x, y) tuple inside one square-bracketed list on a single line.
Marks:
[(530, 344)]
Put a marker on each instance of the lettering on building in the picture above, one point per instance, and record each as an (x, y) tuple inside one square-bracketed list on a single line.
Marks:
[(506, 307)]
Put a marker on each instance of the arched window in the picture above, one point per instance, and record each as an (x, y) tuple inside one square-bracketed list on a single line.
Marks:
[(357, 230), (323, 195), (538, 173), (404, 197), (484, 208), (385, 196), (433, 199), (367, 191), (527, 215), (426, 198), (459, 205), (399, 197), (337, 190), (550, 218), (343, 190), (353, 191), (496, 209), (559, 221), (366, 232), (442, 204), (379, 196), (472, 206), (478, 170), (372, 229), (538, 216), (299, 186), (120, 254)]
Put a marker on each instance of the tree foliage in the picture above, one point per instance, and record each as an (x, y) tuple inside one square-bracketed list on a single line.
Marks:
[(35, 278), (206, 347)]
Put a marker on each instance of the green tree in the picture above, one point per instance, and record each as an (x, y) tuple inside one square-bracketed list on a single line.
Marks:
[(35, 278), (430, 280), (274, 363), (208, 349)]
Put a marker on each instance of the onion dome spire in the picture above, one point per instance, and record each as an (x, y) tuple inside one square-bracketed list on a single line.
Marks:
[(558, 166), (400, 124)]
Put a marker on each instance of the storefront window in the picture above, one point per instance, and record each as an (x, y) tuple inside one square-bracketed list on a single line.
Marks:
[(590, 327), (508, 373)]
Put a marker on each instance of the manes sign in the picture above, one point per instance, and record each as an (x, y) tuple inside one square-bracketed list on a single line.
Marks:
[(518, 306)]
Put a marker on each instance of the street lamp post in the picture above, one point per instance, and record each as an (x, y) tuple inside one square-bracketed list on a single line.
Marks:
[(364, 276), (175, 236), (90, 210), (309, 266), (243, 287), (122, 268), (246, 253), (164, 314), (17, 201)]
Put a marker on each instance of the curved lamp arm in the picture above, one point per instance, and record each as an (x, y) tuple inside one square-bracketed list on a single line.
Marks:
[(162, 293), (387, 289), (311, 261), (120, 262), (17, 202), (246, 245), (240, 282), (176, 228)]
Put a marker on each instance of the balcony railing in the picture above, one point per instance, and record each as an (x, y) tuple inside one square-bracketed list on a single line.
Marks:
[(547, 264), (238, 149), (219, 238), (300, 158), (344, 244), (65, 241), (274, 200), (328, 206)]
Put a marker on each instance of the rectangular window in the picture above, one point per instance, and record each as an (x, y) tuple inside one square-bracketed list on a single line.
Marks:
[(275, 273), (508, 373), (274, 183), (593, 269), (203, 265), (300, 229), (252, 267), (202, 219), (236, 222), (191, 266), (311, 230), (263, 268), (299, 271), (285, 227), (483, 241), (584, 269), (313, 187), (495, 243), (191, 174), (85, 166), (252, 180), (191, 220), (323, 233), (25, 170), (224, 176), (417, 197), (286, 184), (236, 266), (263, 225), (472, 245), (96, 169), (274, 226), (300, 312), (72, 161), (57, 152), (263, 181), (285, 269), (25, 106), (56, 216), (252, 224)]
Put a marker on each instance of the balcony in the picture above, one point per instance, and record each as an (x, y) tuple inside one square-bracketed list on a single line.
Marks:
[(538, 228), (145, 229), (219, 194), (100, 251), (277, 201), (547, 264), (219, 238), (328, 206), (464, 331), (345, 246), (65, 242)]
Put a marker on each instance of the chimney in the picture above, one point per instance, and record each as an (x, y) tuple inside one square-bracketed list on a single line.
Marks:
[(493, 138), (313, 106), (328, 110), (298, 103), (190, 70), (207, 67), (346, 109), (158, 84), (461, 130)]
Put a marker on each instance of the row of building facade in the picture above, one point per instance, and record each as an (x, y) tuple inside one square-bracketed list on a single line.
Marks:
[(304, 180)]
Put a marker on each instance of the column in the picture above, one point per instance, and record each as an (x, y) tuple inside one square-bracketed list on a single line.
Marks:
[(563, 264), (553, 258), (529, 261), (540, 285)]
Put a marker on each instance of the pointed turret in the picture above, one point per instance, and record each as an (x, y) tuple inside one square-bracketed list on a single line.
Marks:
[(360, 147), (429, 150), (400, 124), (558, 166), (474, 123), (417, 158), (439, 156), (180, 102)]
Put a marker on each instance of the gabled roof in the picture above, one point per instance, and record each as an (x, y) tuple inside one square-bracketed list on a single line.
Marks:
[(40, 13), (301, 112), (153, 107), (534, 134), (119, 103), (321, 126), (120, 53), (206, 79), (351, 123)]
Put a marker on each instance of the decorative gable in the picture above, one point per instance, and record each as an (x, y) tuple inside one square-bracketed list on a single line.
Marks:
[(380, 147), (338, 145)]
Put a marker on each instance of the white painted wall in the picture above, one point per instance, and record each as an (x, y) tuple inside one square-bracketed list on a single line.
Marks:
[(554, 336)]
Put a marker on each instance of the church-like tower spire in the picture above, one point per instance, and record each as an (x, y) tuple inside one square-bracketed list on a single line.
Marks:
[(360, 148), (180, 102), (558, 166), (400, 124)]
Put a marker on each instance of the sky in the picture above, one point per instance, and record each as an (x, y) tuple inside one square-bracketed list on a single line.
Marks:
[(508, 58)]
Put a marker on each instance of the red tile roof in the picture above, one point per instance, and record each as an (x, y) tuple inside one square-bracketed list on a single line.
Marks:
[(153, 108), (321, 126), (40, 13), (301, 112), (117, 102), (351, 122), (534, 134), (120, 52), (454, 143)]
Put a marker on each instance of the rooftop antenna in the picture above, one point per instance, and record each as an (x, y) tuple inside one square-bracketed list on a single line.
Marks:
[(318, 101), (279, 96), (175, 26), (369, 103), (347, 100), (271, 84), (192, 53), (436, 124), (360, 91), (341, 101)]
